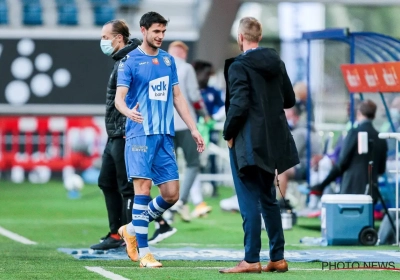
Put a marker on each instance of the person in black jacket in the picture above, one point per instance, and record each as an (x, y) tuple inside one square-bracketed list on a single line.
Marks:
[(352, 166), (260, 142), (113, 180)]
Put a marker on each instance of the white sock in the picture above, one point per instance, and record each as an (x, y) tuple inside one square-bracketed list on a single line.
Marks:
[(143, 251), (130, 229)]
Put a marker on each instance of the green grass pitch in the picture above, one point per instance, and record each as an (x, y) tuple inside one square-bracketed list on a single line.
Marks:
[(44, 214)]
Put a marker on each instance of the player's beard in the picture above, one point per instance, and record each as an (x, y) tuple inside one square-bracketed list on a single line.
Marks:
[(151, 45)]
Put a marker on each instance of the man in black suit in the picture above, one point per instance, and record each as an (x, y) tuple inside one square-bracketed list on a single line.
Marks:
[(352, 166), (260, 142)]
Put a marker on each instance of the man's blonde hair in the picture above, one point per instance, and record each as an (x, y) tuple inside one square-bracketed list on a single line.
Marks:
[(251, 29)]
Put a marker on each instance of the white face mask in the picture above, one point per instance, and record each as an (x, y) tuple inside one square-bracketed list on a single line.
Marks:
[(106, 47)]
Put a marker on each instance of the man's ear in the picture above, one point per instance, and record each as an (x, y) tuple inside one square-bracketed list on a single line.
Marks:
[(142, 29), (240, 36)]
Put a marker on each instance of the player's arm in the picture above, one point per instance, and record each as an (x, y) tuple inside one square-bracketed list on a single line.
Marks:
[(123, 83), (182, 108), (120, 103)]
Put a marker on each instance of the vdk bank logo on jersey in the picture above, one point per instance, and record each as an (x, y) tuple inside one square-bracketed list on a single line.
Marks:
[(158, 88)]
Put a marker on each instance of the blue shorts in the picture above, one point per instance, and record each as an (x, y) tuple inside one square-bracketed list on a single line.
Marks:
[(151, 157)]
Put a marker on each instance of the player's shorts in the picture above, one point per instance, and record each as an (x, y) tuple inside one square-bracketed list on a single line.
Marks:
[(151, 157)]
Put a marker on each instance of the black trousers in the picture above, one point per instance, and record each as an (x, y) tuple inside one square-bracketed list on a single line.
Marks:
[(256, 195), (113, 181)]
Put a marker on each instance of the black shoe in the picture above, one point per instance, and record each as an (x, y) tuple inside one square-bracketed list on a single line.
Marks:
[(162, 233), (108, 243), (105, 237)]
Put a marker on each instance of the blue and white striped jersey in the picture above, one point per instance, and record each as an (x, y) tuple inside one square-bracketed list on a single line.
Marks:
[(150, 80)]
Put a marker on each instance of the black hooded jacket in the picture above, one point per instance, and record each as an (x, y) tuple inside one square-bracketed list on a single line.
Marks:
[(115, 121), (258, 91)]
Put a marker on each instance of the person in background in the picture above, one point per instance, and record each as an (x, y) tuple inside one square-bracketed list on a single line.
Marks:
[(259, 141), (215, 106), (190, 89), (113, 181), (299, 132), (352, 166)]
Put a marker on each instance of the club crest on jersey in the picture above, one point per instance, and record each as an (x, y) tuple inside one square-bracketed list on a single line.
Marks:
[(155, 61), (166, 60), (121, 64)]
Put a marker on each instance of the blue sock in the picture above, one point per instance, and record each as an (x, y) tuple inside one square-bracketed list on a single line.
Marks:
[(157, 207), (140, 219)]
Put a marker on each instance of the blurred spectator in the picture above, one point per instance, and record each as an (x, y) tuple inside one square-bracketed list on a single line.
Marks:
[(215, 106), (299, 132), (183, 137), (113, 181), (352, 166), (394, 110)]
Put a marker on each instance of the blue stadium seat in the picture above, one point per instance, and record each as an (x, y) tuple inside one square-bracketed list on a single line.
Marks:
[(129, 3), (99, 2), (32, 14), (103, 13), (27, 2), (68, 14), (65, 2), (3, 12)]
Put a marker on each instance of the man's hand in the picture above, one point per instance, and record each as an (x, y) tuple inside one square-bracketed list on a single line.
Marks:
[(230, 143), (134, 114), (199, 141)]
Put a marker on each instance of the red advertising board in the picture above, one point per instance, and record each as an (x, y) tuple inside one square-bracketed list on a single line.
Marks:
[(375, 77)]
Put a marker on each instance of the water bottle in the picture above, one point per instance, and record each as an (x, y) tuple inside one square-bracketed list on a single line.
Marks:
[(314, 241)]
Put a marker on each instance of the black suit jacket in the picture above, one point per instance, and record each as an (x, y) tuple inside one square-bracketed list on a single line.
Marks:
[(258, 89), (353, 167)]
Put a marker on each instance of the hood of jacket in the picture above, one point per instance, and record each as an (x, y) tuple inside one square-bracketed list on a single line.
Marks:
[(132, 44), (265, 61)]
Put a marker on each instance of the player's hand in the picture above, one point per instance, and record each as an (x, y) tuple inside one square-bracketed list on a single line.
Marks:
[(199, 141), (134, 114), (230, 143)]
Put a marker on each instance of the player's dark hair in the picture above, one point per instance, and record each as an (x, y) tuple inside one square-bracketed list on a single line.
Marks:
[(367, 109), (200, 65), (148, 19), (120, 27)]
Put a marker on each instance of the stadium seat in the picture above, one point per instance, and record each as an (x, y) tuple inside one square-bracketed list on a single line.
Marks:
[(103, 13), (27, 2), (68, 14), (99, 2), (3, 12), (65, 2), (129, 3), (32, 14)]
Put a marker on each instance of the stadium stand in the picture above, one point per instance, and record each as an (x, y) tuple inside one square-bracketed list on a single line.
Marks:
[(3, 12), (65, 2), (87, 14), (67, 12), (32, 12), (99, 2), (103, 13), (129, 3)]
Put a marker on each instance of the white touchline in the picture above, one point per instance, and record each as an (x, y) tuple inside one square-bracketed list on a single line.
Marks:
[(105, 273), (16, 237)]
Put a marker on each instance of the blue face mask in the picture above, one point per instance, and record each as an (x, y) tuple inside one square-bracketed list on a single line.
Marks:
[(106, 47)]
